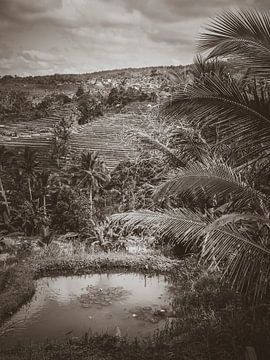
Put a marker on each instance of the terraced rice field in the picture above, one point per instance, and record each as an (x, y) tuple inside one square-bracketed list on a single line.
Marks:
[(36, 134), (105, 135)]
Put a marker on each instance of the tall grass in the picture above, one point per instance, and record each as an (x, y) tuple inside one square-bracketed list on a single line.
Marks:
[(68, 257)]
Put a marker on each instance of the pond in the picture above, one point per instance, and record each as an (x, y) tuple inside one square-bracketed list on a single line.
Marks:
[(69, 306)]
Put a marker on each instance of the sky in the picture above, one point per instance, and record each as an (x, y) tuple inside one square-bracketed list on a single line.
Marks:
[(39, 37)]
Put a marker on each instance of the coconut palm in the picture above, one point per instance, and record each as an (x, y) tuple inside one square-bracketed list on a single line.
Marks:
[(237, 115), (233, 232), (230, 233), (90, 175), (238, 109)]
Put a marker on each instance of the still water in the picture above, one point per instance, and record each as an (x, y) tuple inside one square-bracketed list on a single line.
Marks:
[(68, 306)]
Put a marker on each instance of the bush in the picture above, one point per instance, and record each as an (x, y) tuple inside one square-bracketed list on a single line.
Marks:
[(122, 96), (71, 212), (60, 140), (90, 107), (15, 102), (132, 183)]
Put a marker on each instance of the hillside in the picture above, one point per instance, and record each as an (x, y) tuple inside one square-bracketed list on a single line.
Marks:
[(141, 88)]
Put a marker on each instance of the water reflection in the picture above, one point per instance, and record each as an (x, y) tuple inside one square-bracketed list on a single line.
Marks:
[(56, 311)]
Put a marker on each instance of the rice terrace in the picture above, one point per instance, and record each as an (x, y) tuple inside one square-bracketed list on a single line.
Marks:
[(134, 180)]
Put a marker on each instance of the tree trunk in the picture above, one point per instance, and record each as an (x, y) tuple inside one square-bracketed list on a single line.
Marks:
[(3, 193), (44, 205), (29, 188), (91, 200)]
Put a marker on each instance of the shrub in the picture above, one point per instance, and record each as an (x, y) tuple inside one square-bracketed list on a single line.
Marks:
[(90, 107), (122, 96)]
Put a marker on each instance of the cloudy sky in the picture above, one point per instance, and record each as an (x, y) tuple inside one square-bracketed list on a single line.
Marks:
[(73, 36)]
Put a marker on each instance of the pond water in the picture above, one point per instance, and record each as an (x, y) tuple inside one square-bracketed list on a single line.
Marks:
[(68, 306)]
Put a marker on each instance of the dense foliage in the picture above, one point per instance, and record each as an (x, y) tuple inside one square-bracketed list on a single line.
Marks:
[(201, 186), (230, 120)]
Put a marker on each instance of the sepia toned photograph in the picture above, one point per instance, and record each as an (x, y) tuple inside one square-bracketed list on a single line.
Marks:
[(134, 180)]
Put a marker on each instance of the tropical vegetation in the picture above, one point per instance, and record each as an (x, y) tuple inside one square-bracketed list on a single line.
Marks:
[(228, 215), (196, 196)]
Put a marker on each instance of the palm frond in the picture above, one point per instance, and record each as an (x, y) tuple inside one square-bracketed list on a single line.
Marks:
[(43, 178), (147, 139), (236, 114), (29, 163), (179, 76), (247, 262), (202, 66), (215, 177), (232, 218), (88, 159), (6, 156), (188, 143), (181, 225), (242, 35)]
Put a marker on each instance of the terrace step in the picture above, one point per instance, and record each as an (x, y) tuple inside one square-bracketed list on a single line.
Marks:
[(103, 135)]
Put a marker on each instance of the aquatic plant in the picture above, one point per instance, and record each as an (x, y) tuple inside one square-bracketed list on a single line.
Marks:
[(102, 297)]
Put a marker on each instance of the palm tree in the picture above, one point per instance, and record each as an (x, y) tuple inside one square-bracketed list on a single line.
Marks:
[(29, 166), (90, 175), (228, 233), (239, 109), (234, 230)]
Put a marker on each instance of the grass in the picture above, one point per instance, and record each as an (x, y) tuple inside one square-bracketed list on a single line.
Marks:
[(16, 288), (76, 259)]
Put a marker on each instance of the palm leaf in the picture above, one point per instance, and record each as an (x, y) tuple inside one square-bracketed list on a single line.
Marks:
[(247, 262), (232, 218), (7, 157), (243, 36), (146, 139), (189, 144), (238, 115), (29, 163), (215, 177), (180, 225), (202, 66), (179, 76)]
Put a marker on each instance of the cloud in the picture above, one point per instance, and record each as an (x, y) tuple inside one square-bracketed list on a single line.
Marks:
[(20, 9), (32, 62), (36, 55), (175, 10), (88, 35)]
